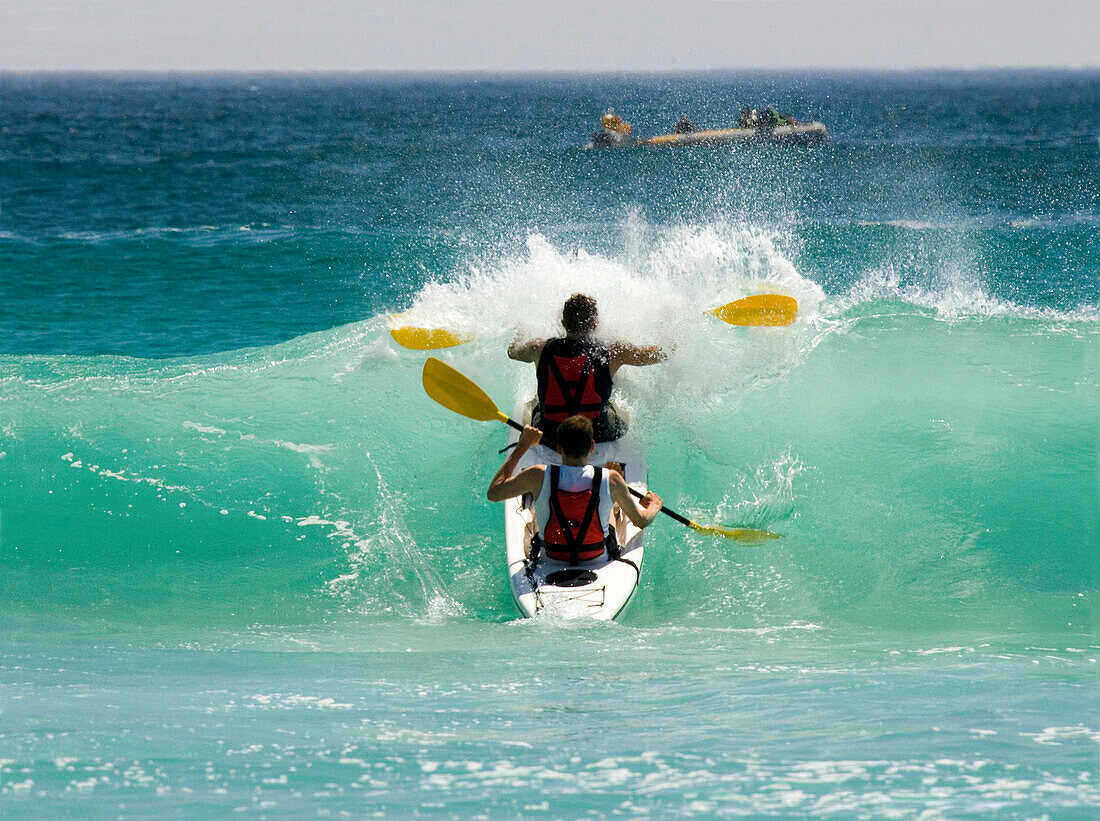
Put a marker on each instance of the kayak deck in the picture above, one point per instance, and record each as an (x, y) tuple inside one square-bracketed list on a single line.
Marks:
[(602, 588)]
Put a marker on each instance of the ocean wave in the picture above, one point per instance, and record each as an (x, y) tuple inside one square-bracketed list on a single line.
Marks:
[(982, 222), (197, 235), (951, 296), (318, 470)]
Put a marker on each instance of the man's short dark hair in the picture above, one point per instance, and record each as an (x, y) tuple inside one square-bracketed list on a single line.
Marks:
[(575, 436), (579, 314)]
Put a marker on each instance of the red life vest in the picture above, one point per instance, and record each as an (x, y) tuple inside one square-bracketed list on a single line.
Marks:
[(574, 377), (573, 533)]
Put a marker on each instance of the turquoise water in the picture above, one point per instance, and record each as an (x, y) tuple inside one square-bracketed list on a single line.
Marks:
[(247, 568)]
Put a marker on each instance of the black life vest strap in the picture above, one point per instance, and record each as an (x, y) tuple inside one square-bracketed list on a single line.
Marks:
[(611, 545), (572, 390), (574, 542)]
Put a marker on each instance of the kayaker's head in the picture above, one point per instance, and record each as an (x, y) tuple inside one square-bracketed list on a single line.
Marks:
[(575, 439), (579, 315)]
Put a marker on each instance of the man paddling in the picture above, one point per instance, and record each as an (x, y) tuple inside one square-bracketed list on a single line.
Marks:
[(575, 371), (573, 500)]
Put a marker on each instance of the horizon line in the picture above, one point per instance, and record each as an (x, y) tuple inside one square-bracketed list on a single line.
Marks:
[(547, 72)]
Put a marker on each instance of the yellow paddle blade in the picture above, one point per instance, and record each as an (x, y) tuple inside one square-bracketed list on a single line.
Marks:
[(427, 339), (458, 393), (738, 534), (759, 309)]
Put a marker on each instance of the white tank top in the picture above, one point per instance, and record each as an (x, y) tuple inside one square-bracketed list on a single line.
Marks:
[(573, 480)]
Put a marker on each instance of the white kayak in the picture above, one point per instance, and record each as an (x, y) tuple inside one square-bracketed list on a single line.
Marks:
[(602, 588)]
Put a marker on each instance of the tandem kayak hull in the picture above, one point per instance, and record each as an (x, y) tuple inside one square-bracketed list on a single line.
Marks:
[(603, 588)]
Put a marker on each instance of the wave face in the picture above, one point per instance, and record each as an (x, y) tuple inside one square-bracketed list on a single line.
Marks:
[(929, 465), (204, 420)]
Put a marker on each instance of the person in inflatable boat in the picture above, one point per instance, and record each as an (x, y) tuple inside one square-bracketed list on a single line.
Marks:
[(575, 371), (573, 500)]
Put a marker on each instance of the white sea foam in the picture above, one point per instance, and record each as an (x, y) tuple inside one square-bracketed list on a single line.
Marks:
[(661, 280), (314, 452), (656, 287), (954, 292), (308, 449), (125, 476), (195, 426)]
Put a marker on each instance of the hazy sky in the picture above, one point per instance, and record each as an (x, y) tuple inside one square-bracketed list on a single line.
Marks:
[(570, 35)]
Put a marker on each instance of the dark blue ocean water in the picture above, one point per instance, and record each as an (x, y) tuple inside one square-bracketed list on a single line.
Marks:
[(247, 567), (167, 216)]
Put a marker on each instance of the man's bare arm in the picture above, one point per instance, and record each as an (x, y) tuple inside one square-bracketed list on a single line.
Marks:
[(642, 515), (526, 350), (624, 353), (504, 485)]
